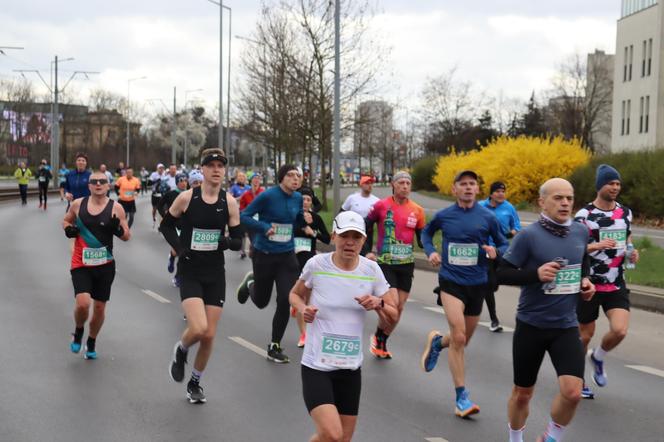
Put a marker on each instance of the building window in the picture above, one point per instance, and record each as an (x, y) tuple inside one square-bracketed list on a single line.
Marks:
[(641, 100), (649, 55), (631, 62), (647, 111), (629, 112), (643, 58), (625, 65), (622, 123)]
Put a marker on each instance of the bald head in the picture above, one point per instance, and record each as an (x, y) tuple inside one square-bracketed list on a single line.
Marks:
[(557, 199)]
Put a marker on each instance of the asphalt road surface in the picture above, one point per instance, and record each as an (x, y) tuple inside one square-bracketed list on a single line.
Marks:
[(50, 394)]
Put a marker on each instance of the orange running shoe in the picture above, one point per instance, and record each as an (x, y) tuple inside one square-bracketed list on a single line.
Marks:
[(377, 347)]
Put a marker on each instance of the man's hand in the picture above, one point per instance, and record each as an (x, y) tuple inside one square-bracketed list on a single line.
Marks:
[(69, 196), (371, 256), (604, 244), (71, 231), (308, 218), (271, 231), (369, 302), (490, 251), (434, 259), (587, 289), (547, 272), (634, 258), (309, 313)]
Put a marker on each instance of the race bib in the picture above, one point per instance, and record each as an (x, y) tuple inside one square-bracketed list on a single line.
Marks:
[(302, 245), (618, 235), (42, 179), (95, 257), (282, 233), (339, 351), (568, 281), (401, 252), (205, 240), (129, 193), (462, 254)]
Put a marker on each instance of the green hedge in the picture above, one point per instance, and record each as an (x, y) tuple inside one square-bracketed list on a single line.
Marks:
[(423, 172), (642, 176)]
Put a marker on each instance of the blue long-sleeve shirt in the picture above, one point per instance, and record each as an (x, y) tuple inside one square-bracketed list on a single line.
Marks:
[(273, 206), (467, 230), (506, 214), (76, 183)]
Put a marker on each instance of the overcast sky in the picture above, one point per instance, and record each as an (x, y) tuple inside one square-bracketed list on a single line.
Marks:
[(511, 46)]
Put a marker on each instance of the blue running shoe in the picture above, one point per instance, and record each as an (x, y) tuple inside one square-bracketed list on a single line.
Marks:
[(431, 351), (599, 375), (587, 393), (90, 354), (545, 438), (75, 347), (171, 263), (175, 282), (465, 407)]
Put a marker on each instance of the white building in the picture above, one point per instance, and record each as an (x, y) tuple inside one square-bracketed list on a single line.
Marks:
[(638, 77)]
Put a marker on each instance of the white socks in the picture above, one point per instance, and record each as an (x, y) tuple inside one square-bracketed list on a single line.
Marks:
[(599, 353), (555, 431), (516, 435)]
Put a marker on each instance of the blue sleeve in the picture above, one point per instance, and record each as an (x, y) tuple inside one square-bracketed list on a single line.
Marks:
[(247, 215), (516, 220), (497, 235), (517, 253), (67, 184), (427, 235)]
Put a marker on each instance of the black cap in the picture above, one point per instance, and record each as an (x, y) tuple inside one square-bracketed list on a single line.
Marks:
[(306, 191), (214, 156), (496, 186), (464, 173), (283, 170)]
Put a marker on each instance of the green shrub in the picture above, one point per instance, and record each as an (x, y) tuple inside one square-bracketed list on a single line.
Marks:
[(423, 172), (642, 176)]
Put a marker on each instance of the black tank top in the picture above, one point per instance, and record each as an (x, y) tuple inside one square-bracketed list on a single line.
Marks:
[(97, 224), (202, 225)]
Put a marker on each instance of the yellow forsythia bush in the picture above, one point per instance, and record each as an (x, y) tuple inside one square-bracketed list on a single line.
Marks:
[(522, 163)]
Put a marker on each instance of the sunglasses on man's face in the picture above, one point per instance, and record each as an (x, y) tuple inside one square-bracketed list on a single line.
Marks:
[(98, 181)]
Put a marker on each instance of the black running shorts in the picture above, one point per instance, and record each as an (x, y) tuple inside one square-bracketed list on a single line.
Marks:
[(340, 388), (209, 285), (588, 311), (399, 276), (95, 280), (128, 206), (529, 345), (155, 199), (472, 296)]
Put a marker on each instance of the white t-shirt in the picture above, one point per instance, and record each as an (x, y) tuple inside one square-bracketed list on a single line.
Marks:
[(359, 204), (334, 338), (166, 177)]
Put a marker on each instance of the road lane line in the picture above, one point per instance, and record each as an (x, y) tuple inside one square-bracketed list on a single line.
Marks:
[(435, 310), (646, 369), (488, 324), (435, 439), (156, 297), (248, 345)]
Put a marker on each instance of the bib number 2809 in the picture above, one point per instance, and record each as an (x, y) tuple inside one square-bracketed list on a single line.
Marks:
[(205, 239)]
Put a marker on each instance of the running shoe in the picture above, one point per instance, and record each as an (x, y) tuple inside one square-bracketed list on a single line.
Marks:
[(276, 354), (175, 282), (599, 375), (195, 393), (171, 263), (465, 407), (243, 254), (431, 351), (386, 352), (242, 291), (376, 347), (545, 438), (587, 393), (495, 327), (74, 346), (176, 368), (303, 338), (90, 354)]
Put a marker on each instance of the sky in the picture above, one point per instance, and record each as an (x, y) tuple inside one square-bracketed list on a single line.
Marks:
[(500, 46)]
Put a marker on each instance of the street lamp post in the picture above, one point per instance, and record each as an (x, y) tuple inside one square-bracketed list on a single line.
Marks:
[(337, 111), (221, 5), (128, 111), (186, 133)]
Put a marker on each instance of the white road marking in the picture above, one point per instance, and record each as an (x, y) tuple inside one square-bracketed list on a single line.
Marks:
[(435, 309), (488, 324), (248, 345), (646, 369), (156, 297), (435, 439)]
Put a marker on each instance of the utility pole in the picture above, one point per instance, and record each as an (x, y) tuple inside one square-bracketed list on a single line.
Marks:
[(337, 111), (173, 139)]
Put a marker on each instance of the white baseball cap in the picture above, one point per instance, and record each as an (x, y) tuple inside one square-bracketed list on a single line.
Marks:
[(349, 220), (160, 165)]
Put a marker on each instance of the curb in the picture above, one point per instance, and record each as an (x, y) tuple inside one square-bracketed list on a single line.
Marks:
[(641, 297)]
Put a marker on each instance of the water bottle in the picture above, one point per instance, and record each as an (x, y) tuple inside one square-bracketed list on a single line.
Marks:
[(628, 256)]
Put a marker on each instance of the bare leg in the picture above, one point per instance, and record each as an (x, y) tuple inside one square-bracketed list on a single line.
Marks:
[(213, 314), (618, 324), (518, 406), (98, 316), (565, 403), (197, 323), (330, 426), (82, 309), (403, 298)]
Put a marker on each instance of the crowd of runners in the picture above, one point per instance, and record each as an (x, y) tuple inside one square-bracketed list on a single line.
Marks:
[(568, 266)]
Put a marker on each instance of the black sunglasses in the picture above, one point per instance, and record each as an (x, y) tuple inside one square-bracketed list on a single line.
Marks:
[(98, 181)]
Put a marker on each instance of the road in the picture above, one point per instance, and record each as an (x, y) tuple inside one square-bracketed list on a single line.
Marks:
[(49, 394)]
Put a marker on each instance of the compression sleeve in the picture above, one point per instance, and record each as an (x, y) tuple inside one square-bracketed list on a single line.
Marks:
[(167, 228), (585, 265), (509, 274), (234, 239), (418, 235)]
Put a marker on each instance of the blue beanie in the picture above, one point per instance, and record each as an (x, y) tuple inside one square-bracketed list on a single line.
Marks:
[(605, 174)]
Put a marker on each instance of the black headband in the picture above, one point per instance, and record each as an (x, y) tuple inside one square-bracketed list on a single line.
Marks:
[(214, 157)]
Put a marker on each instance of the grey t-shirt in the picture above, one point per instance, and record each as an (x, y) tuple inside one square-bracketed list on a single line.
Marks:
[(531, 248)]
